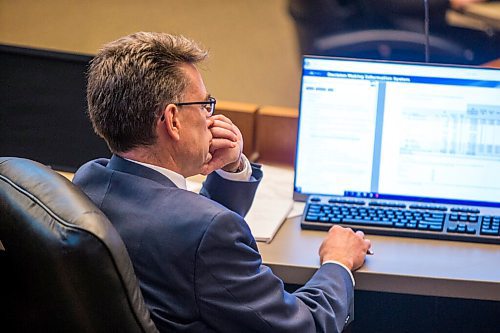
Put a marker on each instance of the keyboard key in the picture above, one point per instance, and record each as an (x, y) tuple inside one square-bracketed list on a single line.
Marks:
[(452, 228), (471, 229), (434, 227), (368, 222), (465, 210), (432, 219), (473, 219), (428, 207), (489, 232), (387, 204)]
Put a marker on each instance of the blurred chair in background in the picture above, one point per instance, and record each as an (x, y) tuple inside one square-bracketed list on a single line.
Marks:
[(392, 45), (391, 30)]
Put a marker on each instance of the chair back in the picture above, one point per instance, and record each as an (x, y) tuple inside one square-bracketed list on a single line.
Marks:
[(386, 44), (63, 265)]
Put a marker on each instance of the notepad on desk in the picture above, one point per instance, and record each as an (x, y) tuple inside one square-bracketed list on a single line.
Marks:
[(272, 203)]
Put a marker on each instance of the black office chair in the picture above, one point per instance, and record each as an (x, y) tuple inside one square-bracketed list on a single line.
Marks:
[(63, 265), (386, 44)]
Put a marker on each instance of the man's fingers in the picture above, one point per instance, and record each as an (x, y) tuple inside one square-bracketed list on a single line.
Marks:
[(226, 144), (221, 118), (221, 144), (367, 242), (368, 245), (222, 124), (219, 132), (215, 163)]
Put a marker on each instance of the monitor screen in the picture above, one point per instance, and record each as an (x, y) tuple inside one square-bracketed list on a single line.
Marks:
[(43, 108), (403, 131)]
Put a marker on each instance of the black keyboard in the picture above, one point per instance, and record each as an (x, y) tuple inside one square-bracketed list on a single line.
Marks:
[(401, 219)]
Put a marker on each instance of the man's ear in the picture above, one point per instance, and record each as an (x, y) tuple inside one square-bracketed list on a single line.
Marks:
[(170, 121)]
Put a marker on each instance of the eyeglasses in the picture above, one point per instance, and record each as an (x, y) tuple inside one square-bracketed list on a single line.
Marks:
[(207, 105)]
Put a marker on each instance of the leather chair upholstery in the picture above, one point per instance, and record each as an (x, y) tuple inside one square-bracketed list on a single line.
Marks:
[(63, 265)]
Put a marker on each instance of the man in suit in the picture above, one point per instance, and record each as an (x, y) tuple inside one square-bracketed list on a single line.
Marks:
[(197, 262)]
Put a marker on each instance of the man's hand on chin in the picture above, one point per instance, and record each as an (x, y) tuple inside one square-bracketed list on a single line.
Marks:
[(226, 146)]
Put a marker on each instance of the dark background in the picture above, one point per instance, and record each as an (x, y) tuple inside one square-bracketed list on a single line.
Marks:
[(43, 108)]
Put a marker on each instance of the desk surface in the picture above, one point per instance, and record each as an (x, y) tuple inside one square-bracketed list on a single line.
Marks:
[(399, 265)]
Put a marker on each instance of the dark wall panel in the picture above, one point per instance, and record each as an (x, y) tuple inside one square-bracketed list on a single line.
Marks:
[(43, 108)]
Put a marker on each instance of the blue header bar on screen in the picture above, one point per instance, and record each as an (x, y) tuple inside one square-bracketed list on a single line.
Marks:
[(402, 79)]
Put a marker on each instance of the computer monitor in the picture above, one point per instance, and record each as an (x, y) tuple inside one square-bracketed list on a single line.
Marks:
[(43, 108), (399, 131)]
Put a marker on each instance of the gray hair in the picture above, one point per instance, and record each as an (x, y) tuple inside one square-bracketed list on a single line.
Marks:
[(131, 80)]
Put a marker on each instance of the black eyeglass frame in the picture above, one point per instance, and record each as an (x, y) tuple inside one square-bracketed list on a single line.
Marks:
[(211, 101)]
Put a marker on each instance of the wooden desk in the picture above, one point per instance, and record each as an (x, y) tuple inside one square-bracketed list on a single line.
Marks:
[(399, 265)]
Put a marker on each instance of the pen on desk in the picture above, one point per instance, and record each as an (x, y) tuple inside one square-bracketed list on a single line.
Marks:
[(370, 252)]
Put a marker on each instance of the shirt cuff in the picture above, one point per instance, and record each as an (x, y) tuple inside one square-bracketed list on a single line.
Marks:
[(242, 176), (347, 269)]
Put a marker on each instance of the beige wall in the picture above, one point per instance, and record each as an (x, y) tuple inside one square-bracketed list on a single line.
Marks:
[(252, 42)]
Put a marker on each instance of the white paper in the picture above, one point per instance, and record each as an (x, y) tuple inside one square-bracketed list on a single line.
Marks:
[(273, 201)]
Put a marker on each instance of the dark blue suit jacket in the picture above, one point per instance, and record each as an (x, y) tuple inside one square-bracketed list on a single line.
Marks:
[(197, 262)]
